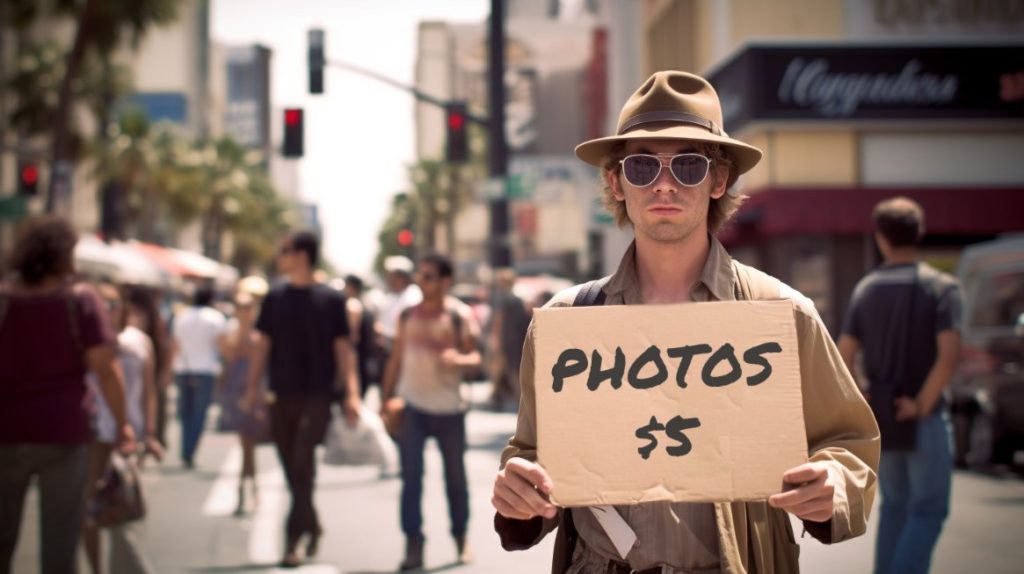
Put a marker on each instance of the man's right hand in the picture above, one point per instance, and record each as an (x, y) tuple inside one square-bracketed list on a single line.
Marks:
[(522, 490)]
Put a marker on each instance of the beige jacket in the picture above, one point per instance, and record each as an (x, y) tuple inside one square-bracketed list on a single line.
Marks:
[(841, 430)]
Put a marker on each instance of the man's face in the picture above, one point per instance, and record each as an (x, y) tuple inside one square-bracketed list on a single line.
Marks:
[(666, 210), (286, 255), (430, 282)]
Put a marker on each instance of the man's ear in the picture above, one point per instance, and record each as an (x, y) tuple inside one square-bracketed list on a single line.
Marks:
[(721, 181), (611, 179)]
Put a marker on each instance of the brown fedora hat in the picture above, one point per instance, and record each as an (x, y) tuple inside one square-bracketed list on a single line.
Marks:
[(673, 105)]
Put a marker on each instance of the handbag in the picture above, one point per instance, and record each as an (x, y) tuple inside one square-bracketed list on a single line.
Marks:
[(118, 498), (362, 444)]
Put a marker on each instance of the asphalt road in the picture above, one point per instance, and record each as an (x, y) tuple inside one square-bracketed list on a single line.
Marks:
[(190, 527)]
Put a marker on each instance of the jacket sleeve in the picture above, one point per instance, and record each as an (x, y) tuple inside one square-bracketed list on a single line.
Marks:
[(523, 534), (841, 430)]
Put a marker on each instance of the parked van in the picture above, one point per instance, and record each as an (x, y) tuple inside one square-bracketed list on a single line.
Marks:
[(988, 389)]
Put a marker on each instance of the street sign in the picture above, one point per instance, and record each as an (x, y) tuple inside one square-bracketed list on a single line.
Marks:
[(512, 186), (13, 207)]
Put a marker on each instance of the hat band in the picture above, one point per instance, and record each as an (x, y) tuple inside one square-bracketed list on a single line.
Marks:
[(659, 117)]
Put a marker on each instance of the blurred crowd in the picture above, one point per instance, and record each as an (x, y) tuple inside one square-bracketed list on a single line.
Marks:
[(94, 370)]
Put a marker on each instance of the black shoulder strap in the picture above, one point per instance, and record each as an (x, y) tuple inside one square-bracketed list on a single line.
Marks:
[(456, 324), (591, 293)]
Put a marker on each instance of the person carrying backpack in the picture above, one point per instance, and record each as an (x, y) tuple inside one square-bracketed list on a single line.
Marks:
[(667, 172)]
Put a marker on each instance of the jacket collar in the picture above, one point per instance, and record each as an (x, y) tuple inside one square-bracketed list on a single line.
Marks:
[(717, 281)]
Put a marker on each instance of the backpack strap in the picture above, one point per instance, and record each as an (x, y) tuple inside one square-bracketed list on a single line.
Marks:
[(591, 294)]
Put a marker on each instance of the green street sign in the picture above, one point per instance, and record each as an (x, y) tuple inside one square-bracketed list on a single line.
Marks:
[(13, 207)]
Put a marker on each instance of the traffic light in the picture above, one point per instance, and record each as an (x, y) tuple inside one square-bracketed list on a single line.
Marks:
[(28, 179), (458, 148), (405, 238), (316, 61), (293, 126)]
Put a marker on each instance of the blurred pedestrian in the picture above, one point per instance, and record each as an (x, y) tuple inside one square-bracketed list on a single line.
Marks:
[(137, 360), (904, 320), (402, 293), (436, 339), (510, 319), (303, 330), (144, 314), (252, 426), (198, 333), (667, 173), (361, 324), (52, 331)]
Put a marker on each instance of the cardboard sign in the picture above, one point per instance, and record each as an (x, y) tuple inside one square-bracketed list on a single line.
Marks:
[(691, 402)]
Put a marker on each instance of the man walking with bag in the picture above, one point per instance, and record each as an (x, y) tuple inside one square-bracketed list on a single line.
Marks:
[(667, 172), (303, 329), (904, 319), (436, 339)]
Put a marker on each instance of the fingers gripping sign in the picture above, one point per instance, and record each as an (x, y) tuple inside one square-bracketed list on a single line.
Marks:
[(809, 491), (522, 491)]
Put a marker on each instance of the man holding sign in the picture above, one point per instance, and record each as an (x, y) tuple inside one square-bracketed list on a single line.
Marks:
[(676, 438)]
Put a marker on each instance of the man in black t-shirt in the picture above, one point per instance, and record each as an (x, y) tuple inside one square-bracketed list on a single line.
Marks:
[(904, 319), (304, 331)]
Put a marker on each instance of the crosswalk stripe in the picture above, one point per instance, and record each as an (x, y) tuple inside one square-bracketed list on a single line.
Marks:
[(223, 497)]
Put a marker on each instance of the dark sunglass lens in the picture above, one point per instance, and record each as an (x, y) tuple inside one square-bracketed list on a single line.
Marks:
[(689, 169), (641, 170)]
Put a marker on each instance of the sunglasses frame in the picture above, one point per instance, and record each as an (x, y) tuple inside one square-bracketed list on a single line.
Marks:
[(661, 166)]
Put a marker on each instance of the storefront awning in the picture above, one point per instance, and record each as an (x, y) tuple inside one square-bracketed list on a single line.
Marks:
[(782, 211)]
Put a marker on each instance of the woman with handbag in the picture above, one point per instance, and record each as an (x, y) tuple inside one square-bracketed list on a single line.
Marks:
[(51, 332), (136, 357)]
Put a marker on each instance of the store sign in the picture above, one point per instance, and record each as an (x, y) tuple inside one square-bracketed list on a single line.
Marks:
[(871, 83)]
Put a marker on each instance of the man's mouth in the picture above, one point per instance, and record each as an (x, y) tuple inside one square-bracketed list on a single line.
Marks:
[(664, 209)]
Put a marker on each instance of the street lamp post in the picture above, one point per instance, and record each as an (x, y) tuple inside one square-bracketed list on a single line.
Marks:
[(500, 251)]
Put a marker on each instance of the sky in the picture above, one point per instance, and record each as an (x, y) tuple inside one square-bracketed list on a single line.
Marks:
[(360, 135)]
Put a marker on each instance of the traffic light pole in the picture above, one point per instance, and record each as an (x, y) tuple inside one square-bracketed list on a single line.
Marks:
[(423, 97), (500, 250)]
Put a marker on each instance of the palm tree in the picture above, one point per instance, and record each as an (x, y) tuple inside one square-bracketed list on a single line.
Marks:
[(102, 26)]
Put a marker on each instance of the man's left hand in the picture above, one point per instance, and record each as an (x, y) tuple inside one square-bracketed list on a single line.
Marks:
[(350, 408), (810, 495)]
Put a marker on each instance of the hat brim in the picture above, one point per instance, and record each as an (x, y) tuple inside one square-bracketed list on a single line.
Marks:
[(745, 156)]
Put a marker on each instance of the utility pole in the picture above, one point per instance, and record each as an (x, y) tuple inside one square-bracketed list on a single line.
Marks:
[(500, 251)]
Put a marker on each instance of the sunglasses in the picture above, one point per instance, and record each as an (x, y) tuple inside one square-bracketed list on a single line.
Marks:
[(643, 169), (429, 276)]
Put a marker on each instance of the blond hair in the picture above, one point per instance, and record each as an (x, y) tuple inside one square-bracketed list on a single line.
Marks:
[(719, 210)]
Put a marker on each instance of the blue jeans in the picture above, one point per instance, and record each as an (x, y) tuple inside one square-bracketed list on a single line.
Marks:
[(61, 473), (195, 392), (450, 432), (915, 488)]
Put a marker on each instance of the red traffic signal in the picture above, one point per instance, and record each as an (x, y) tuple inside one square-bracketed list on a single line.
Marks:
[(457, 149), (293, 132), (405, 238), (28, 179)]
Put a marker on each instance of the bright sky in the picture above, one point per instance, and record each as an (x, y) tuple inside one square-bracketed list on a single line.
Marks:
[(360, 135)]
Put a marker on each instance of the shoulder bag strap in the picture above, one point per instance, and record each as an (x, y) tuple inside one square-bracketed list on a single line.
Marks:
[(591, 294)]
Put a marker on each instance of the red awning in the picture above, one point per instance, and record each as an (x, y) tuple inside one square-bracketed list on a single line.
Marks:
[(783, 211)]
